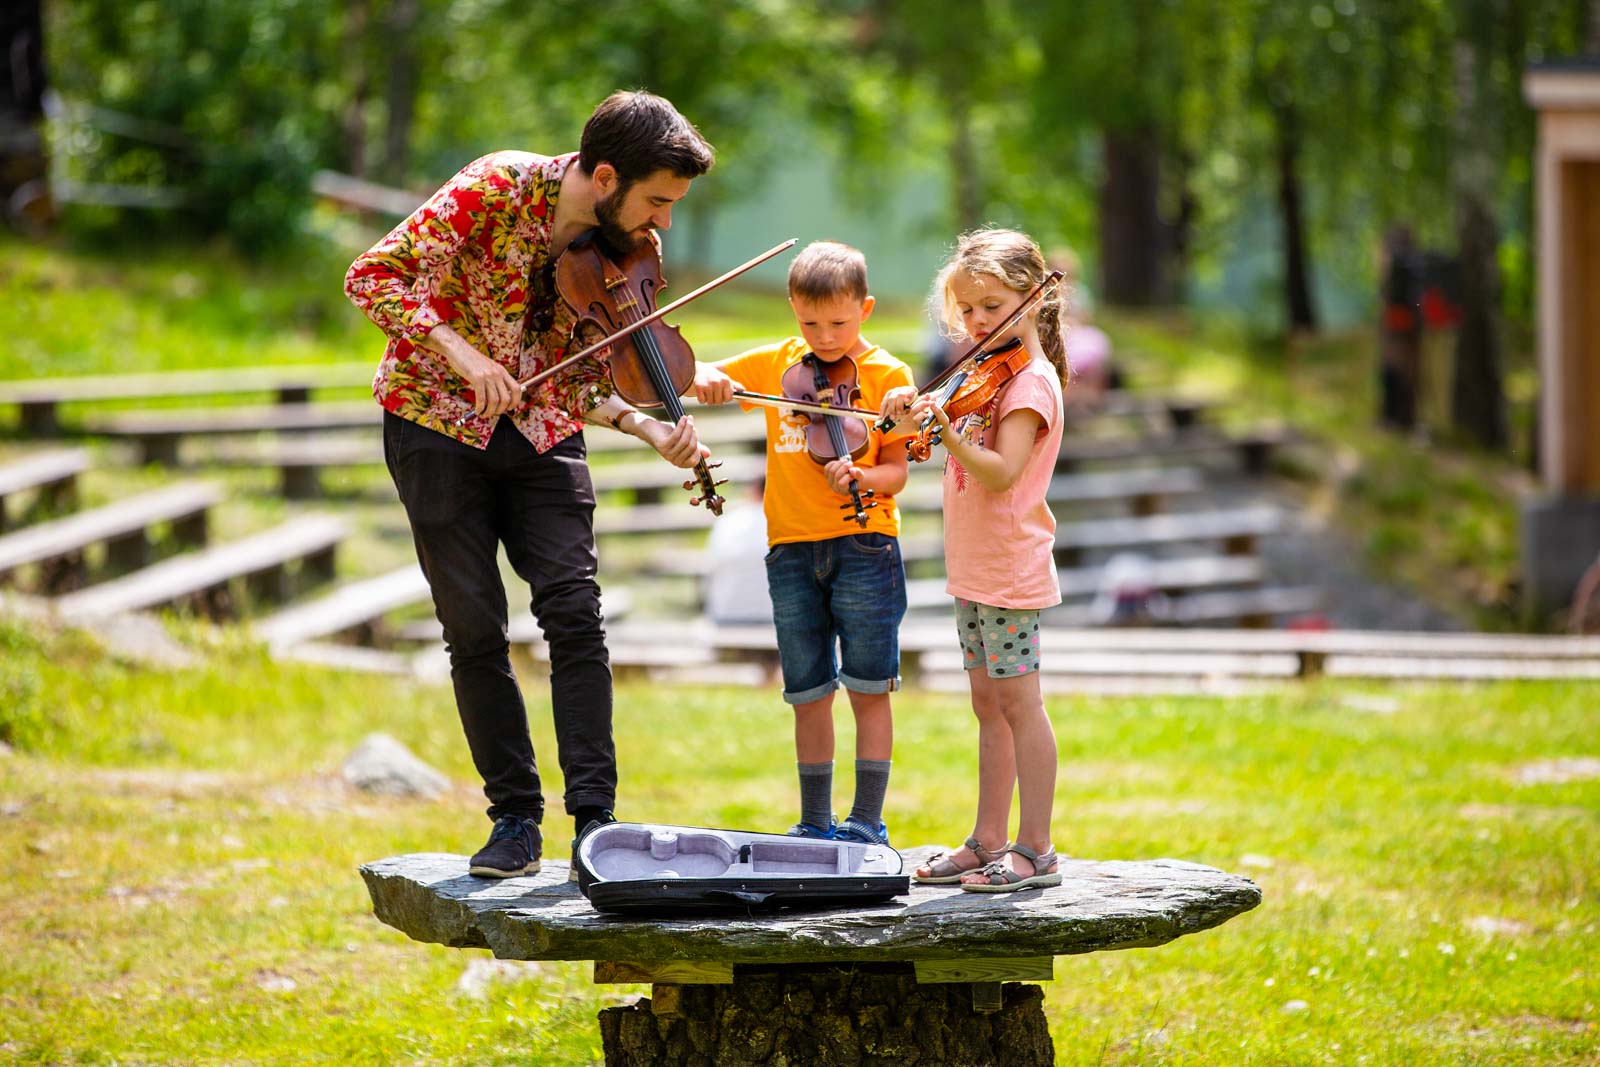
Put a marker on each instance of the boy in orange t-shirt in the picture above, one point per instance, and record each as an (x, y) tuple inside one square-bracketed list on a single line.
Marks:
[(831, 580)]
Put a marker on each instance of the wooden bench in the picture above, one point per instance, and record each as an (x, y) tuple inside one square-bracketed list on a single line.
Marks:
[(1253, 608), (53, 475), (39, 398), (1144, 489), (158, 433), (1181, 575), (352, 606), (1237, 529), (1254, 448), (648, 479), (1180, 412), (123, 527), (261, 561)]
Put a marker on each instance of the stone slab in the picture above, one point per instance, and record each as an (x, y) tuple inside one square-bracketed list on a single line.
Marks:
[(1099, 905)]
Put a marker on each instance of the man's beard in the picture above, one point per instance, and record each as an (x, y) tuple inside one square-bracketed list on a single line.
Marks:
[(608, 212)]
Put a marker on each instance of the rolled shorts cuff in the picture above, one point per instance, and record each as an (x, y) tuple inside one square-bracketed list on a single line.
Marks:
[(816, 692), (857, 685)]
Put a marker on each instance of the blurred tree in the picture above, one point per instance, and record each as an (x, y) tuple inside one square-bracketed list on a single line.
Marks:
[(22, 152), (1120, 70)]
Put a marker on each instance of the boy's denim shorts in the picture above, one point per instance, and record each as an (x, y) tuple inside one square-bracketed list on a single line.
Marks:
[(851, 589)]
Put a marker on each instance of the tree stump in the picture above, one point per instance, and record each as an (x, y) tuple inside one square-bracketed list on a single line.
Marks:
[(828, 1016)]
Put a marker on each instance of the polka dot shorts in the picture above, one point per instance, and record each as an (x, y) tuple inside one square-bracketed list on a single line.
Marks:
[(1004, 640)]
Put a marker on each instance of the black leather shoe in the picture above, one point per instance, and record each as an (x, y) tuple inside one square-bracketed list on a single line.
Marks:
[(514, 848)]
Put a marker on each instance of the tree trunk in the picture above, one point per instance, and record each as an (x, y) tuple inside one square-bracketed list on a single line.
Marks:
[(1180, 231), (827, 1016), (1477, 397), (401, 91), (22, 144), (1131, 234), (964, 163), (1301, 315), (355, 115), (1593, 42)]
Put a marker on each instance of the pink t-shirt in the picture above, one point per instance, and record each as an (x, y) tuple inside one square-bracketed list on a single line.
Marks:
[(999, 547)]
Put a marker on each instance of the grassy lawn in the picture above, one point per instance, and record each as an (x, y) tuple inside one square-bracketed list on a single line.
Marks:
[(181, 858)]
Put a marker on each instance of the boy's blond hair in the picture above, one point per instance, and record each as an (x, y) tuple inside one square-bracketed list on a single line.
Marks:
[(827, 270)]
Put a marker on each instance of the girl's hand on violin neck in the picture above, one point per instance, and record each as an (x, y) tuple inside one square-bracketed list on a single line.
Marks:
[(897, 403), (679, 445), (712, 385), (840, 473), (925, 406)]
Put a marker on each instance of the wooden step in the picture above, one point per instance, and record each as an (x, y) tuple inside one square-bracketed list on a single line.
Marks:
[(352, 605), (158, 432), (38, 397), (260, 560), (53, 474), (122, 526)]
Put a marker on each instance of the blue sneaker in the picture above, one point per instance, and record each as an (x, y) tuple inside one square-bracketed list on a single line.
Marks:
[(853, 829), (805, 829)]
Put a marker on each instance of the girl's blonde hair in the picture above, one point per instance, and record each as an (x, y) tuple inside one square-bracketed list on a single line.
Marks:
[(1015, 259)]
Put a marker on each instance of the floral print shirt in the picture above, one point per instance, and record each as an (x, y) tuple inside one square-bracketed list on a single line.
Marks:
[(476, 255)]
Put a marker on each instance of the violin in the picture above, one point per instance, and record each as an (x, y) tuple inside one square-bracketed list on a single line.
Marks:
[(821, 385), (587, 291), (972, 381), (968, 391), (652, 366)]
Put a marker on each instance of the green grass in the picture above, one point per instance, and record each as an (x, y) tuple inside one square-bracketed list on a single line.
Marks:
[(181, 862)]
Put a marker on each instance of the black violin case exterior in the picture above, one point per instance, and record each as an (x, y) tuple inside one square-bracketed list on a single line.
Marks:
[(643, 869)]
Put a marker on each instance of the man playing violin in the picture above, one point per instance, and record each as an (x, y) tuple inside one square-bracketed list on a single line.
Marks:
[(465, 291)]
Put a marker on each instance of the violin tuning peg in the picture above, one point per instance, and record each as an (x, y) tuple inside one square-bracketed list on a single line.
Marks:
[(691, 484), (720, 481)]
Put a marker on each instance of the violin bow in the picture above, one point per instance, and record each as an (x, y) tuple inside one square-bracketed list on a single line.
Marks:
[(784, 403), (979, 348), (657, 314)]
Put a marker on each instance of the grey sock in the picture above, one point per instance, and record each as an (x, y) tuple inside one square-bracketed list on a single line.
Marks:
[(816, 793), (872, 781)]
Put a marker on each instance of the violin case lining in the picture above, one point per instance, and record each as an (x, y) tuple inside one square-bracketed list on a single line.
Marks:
[(649, 868)]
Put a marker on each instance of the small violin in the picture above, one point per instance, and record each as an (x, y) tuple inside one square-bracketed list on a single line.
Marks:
[(972, 381), (821, 385), (968, 391)]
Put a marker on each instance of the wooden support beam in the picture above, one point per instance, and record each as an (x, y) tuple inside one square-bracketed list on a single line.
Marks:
[(663, 972), (986, 971)]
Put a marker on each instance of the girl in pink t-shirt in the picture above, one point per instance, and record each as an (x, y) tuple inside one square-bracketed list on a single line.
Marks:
[(999, 538)]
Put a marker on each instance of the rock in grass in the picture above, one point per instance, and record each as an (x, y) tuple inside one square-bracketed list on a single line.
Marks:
[(384, 766)]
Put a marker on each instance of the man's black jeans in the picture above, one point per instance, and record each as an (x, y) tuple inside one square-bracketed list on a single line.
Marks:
[(463, 503)]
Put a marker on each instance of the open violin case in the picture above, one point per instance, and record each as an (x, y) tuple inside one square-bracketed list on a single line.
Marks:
[(643, 869)]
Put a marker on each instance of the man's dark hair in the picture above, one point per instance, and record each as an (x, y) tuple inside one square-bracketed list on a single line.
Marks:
[(640, 133)]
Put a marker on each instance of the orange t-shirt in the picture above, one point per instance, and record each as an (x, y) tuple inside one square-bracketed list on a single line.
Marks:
[(799, 503)]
